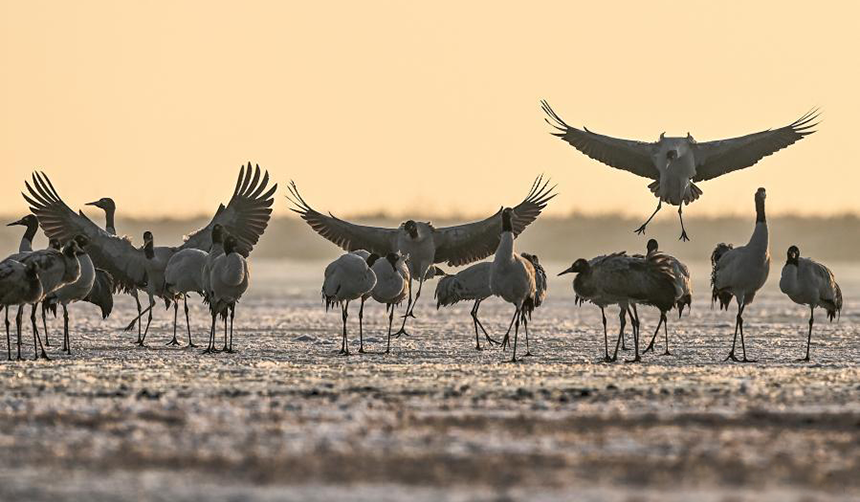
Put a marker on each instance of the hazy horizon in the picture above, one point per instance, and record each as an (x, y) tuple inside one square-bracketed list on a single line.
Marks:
[(553, 238)]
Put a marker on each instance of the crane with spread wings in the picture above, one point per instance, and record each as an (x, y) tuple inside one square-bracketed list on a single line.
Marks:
[(675, 163)]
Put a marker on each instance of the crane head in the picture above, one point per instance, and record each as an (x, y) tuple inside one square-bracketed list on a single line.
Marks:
[(83, 241), (793, 255), (580, 265), (27, 221), (105, 203), (411, 228), (652, 246)]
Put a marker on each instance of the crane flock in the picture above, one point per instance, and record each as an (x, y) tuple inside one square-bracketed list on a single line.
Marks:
[(86, 262)]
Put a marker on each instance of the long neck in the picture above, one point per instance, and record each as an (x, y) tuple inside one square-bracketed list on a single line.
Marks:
[(110, 226), (27, 241), (505, 251), (759, 239)]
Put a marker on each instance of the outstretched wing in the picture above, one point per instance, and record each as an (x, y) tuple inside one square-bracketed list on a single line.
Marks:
[(715, 158), (629, 155), (246, 215), (348, 236), (116, 255), (464, 244)]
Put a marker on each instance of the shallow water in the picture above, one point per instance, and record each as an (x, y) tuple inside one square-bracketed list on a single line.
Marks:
[(287, 418)]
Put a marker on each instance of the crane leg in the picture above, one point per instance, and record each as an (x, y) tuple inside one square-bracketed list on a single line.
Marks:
[(142, 341), (526, 327), (210, 349), (622, 315), (37, 338), (224, 349), (641, 230), (45, 325), (735, 338), (361, 328), (606, 357), (187, 321), (517, 317), (666, 333), (229, 349), (139, 316), (402, 331), (650, 346), (174, 341), (344, 316), (19, 318), (634, 316), (67, 342), (743, 345), (474, 315), (8, 338), (623, 341), (409, 302), (390, 322), (480, 325), (681, 217), (506, 339), (409, 311), (809, 337)]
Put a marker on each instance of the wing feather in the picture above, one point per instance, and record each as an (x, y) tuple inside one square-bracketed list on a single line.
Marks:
[(348, 236), (246, 216), (629, 155), (715, 158), (464, 244), (116, 255)]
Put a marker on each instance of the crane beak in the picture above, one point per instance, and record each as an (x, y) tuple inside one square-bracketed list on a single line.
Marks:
[(95, 203), (566, 271), (19, 222)]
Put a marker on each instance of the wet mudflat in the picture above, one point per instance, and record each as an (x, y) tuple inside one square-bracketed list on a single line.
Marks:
[(287, 418)]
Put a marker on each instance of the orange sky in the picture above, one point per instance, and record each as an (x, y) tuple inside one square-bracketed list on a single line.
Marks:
[(404, 107)]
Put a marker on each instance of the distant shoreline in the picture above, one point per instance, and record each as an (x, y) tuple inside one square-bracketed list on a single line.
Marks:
[(551, 237)]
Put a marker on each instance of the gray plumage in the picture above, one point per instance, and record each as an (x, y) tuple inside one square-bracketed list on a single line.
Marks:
[(56, 269), (391, 288), (19, 286), (739, 272), (512, 278), (807, 282), (184, 275), (540, 284), (348, 278), (724, 297), (72, 292), (471, 283), (229, 279), (674, 163), (683, 286), (619, 279)]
